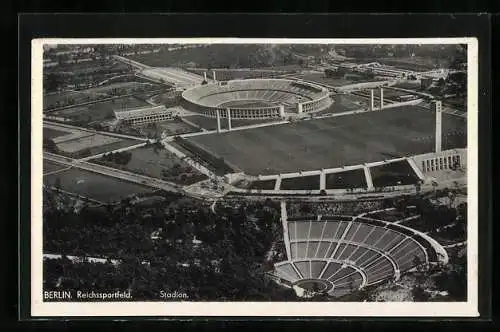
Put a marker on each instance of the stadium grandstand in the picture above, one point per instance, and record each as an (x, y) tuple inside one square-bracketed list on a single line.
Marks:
[(256, 98), (384, 70), (144, 115)]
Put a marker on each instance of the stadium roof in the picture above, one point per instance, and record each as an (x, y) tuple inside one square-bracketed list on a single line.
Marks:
[(140, 112)]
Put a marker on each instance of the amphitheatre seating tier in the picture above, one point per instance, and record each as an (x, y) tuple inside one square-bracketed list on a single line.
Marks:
[(350, 252)]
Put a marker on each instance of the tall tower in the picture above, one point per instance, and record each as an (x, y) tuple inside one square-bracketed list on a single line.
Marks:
[(381, 98), (229, 127), (218, 120), (438, 109), (282, 111), (372, 100), (299, 108)]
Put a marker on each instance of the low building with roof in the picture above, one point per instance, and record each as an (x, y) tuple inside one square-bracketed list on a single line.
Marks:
[(143, 115)]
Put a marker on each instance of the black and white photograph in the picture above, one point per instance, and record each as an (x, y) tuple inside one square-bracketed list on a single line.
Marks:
[(264, 176)]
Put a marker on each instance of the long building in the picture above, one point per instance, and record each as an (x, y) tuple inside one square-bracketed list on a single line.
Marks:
[(144, 115), (178, 77)]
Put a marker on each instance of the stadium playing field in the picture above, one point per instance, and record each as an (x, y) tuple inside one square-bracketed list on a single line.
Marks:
[(334, 142), (51, 166)]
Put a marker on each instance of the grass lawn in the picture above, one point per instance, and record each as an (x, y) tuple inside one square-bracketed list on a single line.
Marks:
[(348, 179), (99, 111), (51, 166), (113, 146), (264, 184), (332, 142), (148, 162), (393, 174), (60, 99), (300, 183), (49, 133), (99, 187)]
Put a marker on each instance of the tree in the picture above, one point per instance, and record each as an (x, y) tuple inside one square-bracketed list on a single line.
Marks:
[(53, 82), (57, 183), (50, 145), (419, 294), (418, 187)]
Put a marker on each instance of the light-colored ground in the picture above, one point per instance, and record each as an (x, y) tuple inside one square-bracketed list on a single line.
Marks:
[(86, 143)]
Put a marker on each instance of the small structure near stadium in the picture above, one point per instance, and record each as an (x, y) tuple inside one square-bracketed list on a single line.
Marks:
[(144, 115)]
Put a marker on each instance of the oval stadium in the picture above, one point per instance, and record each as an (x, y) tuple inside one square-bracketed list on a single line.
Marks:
[(256, 98), (338, 255)]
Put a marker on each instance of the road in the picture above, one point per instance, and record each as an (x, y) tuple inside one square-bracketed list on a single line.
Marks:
[(120, 174), (106, 133), (95, 101)]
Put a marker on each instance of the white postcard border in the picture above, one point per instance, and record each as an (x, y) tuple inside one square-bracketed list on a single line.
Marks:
[(286, 309)]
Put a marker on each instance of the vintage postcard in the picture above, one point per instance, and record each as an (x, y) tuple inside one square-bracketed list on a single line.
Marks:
[(254, 177)]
